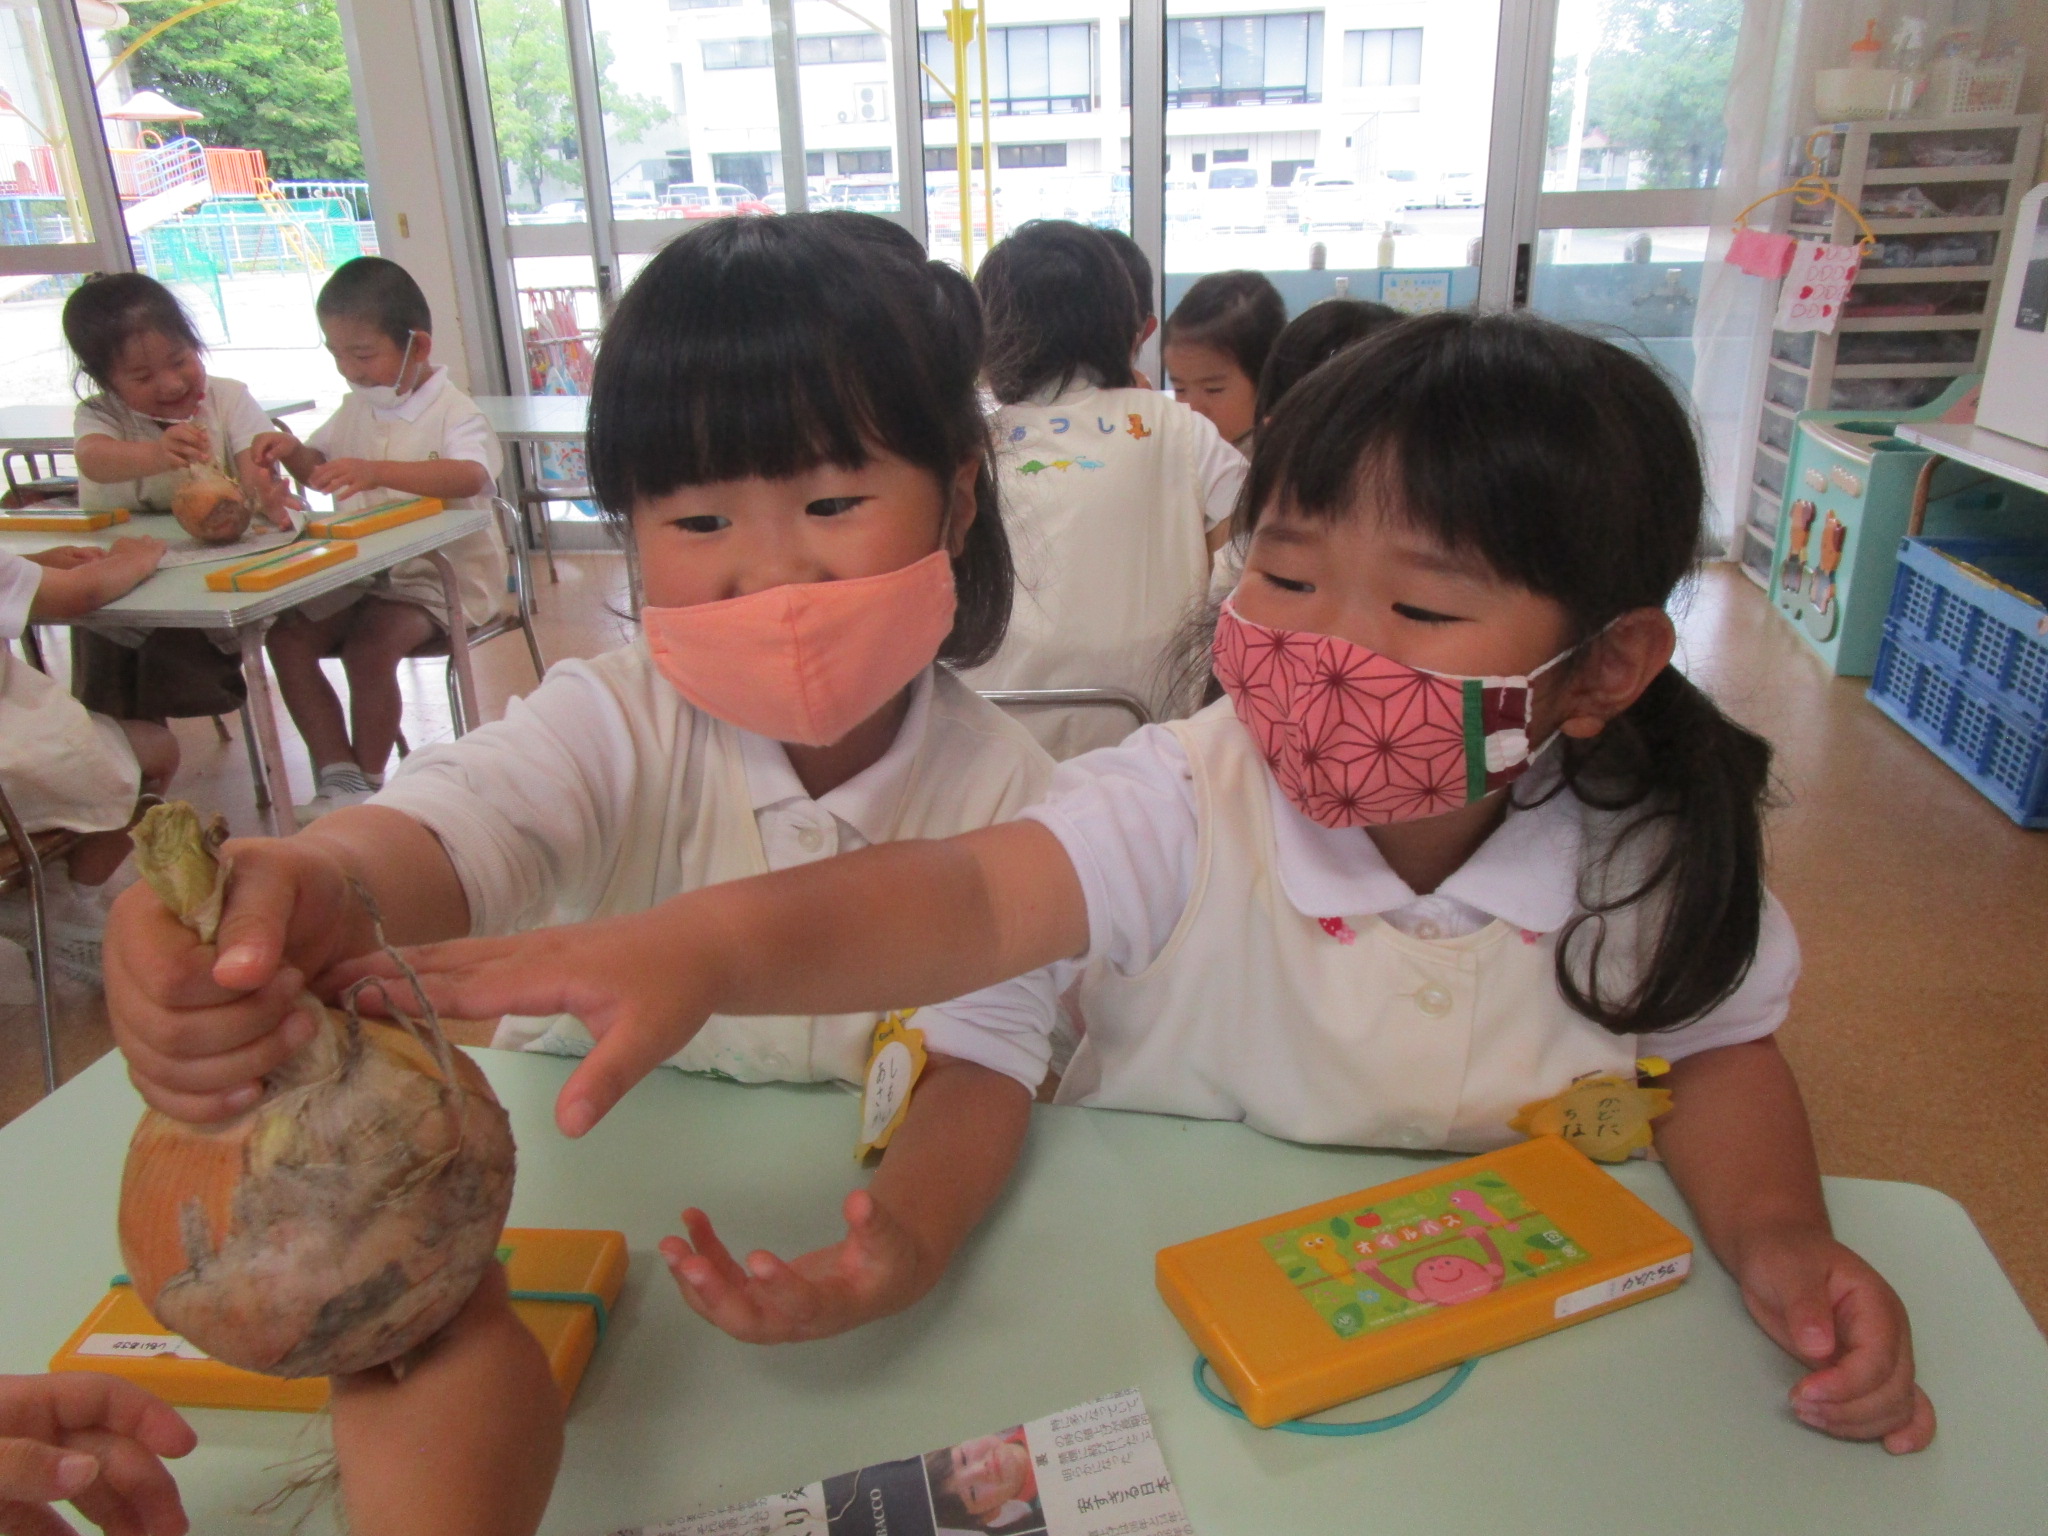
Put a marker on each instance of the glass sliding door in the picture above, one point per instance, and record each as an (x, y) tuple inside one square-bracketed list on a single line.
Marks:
[(1341, 148)]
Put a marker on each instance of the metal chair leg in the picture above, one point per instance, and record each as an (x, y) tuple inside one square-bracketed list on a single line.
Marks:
[(39, 944), (256, 775), (220, 729), (455, 700)]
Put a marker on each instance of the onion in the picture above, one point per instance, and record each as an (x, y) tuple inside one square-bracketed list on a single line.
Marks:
[(210, 507), (343, 1220)]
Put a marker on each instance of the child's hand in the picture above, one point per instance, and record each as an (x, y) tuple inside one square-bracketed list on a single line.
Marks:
[(270, 448), (187, 442), (94, 1440), (66, 557), (201, 1026), (870, 1273), (343, 478), (1824, 1305)]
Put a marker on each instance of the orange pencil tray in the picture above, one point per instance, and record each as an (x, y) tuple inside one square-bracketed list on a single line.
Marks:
[(555, 1274), (1318, 1306)]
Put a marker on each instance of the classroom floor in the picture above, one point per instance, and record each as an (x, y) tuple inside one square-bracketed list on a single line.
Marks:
[(1917, 1031)]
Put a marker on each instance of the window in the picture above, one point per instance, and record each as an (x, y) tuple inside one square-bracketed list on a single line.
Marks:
[(1232, 156), (1031, 70), (814, 162), (864, 162), (1384, 56), (842, 48), (736, 53), (1284, 171), (1029, 157), (947, 157), (675, 88), (1240, 61), (699, 5)]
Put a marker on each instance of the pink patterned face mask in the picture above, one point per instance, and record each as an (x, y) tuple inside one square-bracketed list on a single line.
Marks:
[(1357, 740)]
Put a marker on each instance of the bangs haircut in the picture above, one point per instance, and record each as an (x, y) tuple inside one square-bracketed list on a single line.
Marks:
[(1060, 309), (1239, 314), (1535, 448), (768, 346), (379, 293), (109, 309)]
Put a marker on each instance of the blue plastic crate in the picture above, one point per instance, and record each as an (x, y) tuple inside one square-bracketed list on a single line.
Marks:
[(1994, 636), (2002, 752)]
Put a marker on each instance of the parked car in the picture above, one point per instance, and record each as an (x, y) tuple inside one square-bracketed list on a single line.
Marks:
[(1330, 201), (1234, 199), (1183, 200), (710, 200), (1460, 189)]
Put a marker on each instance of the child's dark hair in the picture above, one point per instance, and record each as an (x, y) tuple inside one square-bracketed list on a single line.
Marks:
[(109, 308), (1059, 307), (766, 347), (1570, 468), (1137, 266), (1240, 314), (1312, 338), (379, 293)]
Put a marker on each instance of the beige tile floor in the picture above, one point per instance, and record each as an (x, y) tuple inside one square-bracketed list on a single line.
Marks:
[(1920, 1030)]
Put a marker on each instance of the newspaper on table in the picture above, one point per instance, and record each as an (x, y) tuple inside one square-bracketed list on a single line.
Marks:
[(1094, 1470), (262, 535)]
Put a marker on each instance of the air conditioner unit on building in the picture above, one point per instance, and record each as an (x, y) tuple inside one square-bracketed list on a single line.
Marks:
[(864, 104)]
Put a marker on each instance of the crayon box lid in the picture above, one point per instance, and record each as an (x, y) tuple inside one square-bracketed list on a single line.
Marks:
[(1315, 1307), (564, 1284)]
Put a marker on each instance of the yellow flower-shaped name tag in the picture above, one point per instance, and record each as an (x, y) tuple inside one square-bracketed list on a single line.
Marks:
[(1604, 1115), (895, 1062)]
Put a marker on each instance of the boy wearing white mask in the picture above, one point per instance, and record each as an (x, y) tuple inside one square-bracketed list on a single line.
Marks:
[(404, 430)]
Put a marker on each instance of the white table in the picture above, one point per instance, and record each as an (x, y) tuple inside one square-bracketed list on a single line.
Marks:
[(47, 428), (179, 599), (1979, 447), (1668, 1418), (536, 418)]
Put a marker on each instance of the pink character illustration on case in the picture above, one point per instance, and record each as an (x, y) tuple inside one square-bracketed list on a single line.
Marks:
[(1446, 1279)]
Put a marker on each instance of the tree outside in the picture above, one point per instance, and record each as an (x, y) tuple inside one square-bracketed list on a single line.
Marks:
[(526, 60), (268, 74), (1658, 86)]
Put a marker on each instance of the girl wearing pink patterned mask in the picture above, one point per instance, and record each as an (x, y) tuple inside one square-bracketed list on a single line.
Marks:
[(785, 422), (1458, 834)]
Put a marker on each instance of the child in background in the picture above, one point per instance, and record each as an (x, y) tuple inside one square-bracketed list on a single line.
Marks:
[(464, 1443), (1328, 906), (1140, 271), (1312, 338), (404, 430), (785, 418), (1116, 495), (61, 765), (1214, 348), (158, 412)]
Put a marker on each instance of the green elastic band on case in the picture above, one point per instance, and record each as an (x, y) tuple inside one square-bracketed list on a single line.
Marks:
[(1435, 1400)]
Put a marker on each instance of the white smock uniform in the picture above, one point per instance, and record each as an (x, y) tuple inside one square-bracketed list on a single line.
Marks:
[(60, 764), (228, 411), (1108, 498), (1247, 964), (435, 421), (603, 792)]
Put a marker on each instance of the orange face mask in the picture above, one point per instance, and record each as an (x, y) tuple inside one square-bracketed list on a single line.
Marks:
[(807, 662)]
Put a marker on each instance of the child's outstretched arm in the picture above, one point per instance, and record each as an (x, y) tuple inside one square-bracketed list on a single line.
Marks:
[(1739, 1149), (947, 1162), (449, 479), (893, 926), (465, 1443), (77, 580)]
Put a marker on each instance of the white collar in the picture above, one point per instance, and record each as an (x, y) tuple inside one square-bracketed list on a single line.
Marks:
[(1526, 873), (423, 394), (867, 802)]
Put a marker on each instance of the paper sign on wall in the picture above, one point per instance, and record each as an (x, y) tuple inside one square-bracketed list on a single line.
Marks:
[(1818, 286)]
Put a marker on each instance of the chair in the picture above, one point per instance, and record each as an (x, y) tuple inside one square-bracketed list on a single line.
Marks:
[(21, 862), (521, 619), (1072, 698)]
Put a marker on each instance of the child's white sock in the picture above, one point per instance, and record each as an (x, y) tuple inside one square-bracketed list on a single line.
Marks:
[(344, 779)]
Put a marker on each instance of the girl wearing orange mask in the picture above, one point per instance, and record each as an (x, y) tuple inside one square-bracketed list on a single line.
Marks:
[(784, 421)]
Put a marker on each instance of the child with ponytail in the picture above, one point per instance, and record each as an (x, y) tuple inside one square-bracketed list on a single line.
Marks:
[(1458, 834)]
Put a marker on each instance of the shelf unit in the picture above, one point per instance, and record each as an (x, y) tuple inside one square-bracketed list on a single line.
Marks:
[(1887, 363)]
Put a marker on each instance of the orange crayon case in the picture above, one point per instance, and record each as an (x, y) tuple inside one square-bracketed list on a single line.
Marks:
[(353, 525), (564, 1284), (278, 567), (61, 522), (1302, 1311)]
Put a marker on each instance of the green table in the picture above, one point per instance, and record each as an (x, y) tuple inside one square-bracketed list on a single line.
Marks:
[(1668, 1417)]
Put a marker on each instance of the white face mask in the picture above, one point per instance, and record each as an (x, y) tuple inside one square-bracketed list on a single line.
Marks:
[(385, 397)]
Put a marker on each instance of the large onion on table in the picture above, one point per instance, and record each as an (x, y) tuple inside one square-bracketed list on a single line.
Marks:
[(347, 1217), (211, 507)]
